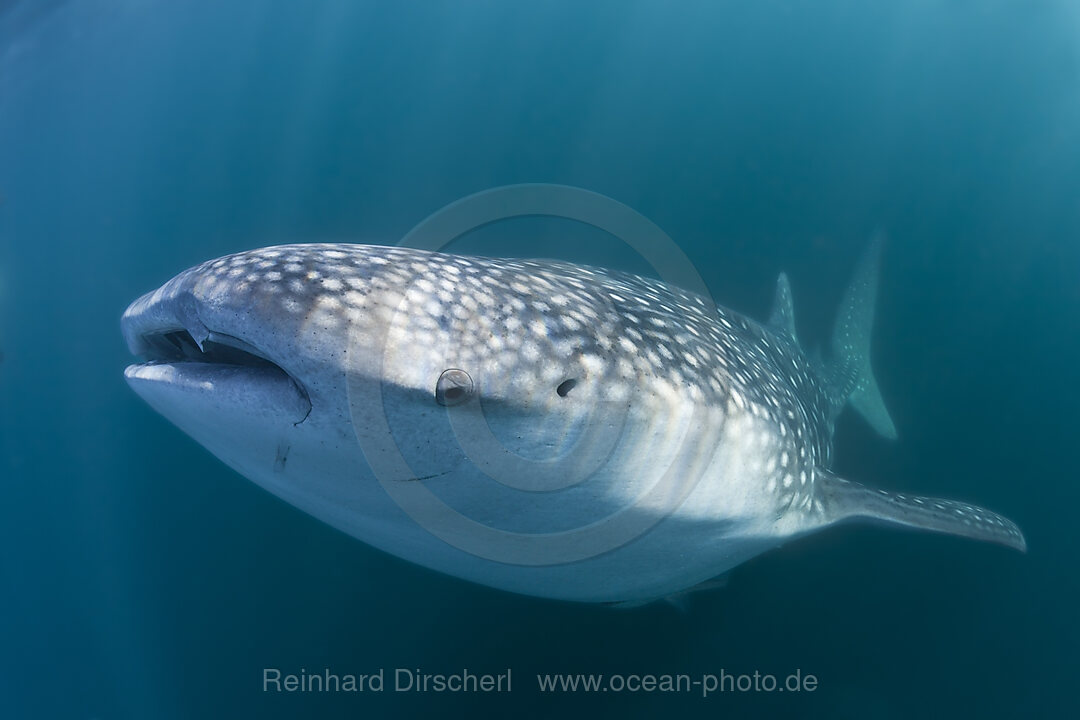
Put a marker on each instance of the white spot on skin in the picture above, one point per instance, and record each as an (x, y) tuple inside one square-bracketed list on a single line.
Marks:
[(592, 363)]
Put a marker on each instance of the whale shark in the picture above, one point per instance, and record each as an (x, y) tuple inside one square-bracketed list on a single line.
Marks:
[(537, 426)]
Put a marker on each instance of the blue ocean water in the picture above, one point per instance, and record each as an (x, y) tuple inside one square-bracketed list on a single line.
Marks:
[(144, 579)]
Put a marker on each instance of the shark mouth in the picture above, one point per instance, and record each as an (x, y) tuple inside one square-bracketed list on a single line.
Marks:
[(178, 346), (178, 352), (166, 327)]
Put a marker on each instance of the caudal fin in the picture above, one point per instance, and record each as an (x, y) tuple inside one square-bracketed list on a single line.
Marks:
[(850, 374), (845, 499)]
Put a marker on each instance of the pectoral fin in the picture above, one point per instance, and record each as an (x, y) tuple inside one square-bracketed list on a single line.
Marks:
[(844, 499)]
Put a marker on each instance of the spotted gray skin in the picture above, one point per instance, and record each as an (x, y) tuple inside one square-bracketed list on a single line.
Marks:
[(708, 432)]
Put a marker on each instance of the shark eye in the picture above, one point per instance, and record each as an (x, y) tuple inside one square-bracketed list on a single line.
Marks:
[(454, 387), (565, 387)]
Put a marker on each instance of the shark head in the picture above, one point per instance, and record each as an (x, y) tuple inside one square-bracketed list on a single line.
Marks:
[(247, 352)]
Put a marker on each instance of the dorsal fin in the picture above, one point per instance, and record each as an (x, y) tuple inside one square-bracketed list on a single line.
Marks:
[(782, 317)]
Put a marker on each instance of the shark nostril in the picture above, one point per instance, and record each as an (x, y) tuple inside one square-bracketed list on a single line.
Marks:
[(565, 387), (454, 387)]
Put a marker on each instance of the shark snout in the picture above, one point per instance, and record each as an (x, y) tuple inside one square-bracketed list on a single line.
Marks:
[(202, 366)]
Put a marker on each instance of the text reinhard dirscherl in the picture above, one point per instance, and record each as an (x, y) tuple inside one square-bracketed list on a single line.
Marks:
[(465, 680), (397, 680)]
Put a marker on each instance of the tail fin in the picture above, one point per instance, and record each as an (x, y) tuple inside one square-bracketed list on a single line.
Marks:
[(851, 374), (845, 499)]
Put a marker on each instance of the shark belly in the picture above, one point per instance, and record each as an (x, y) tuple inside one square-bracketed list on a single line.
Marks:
[(673, 502)]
